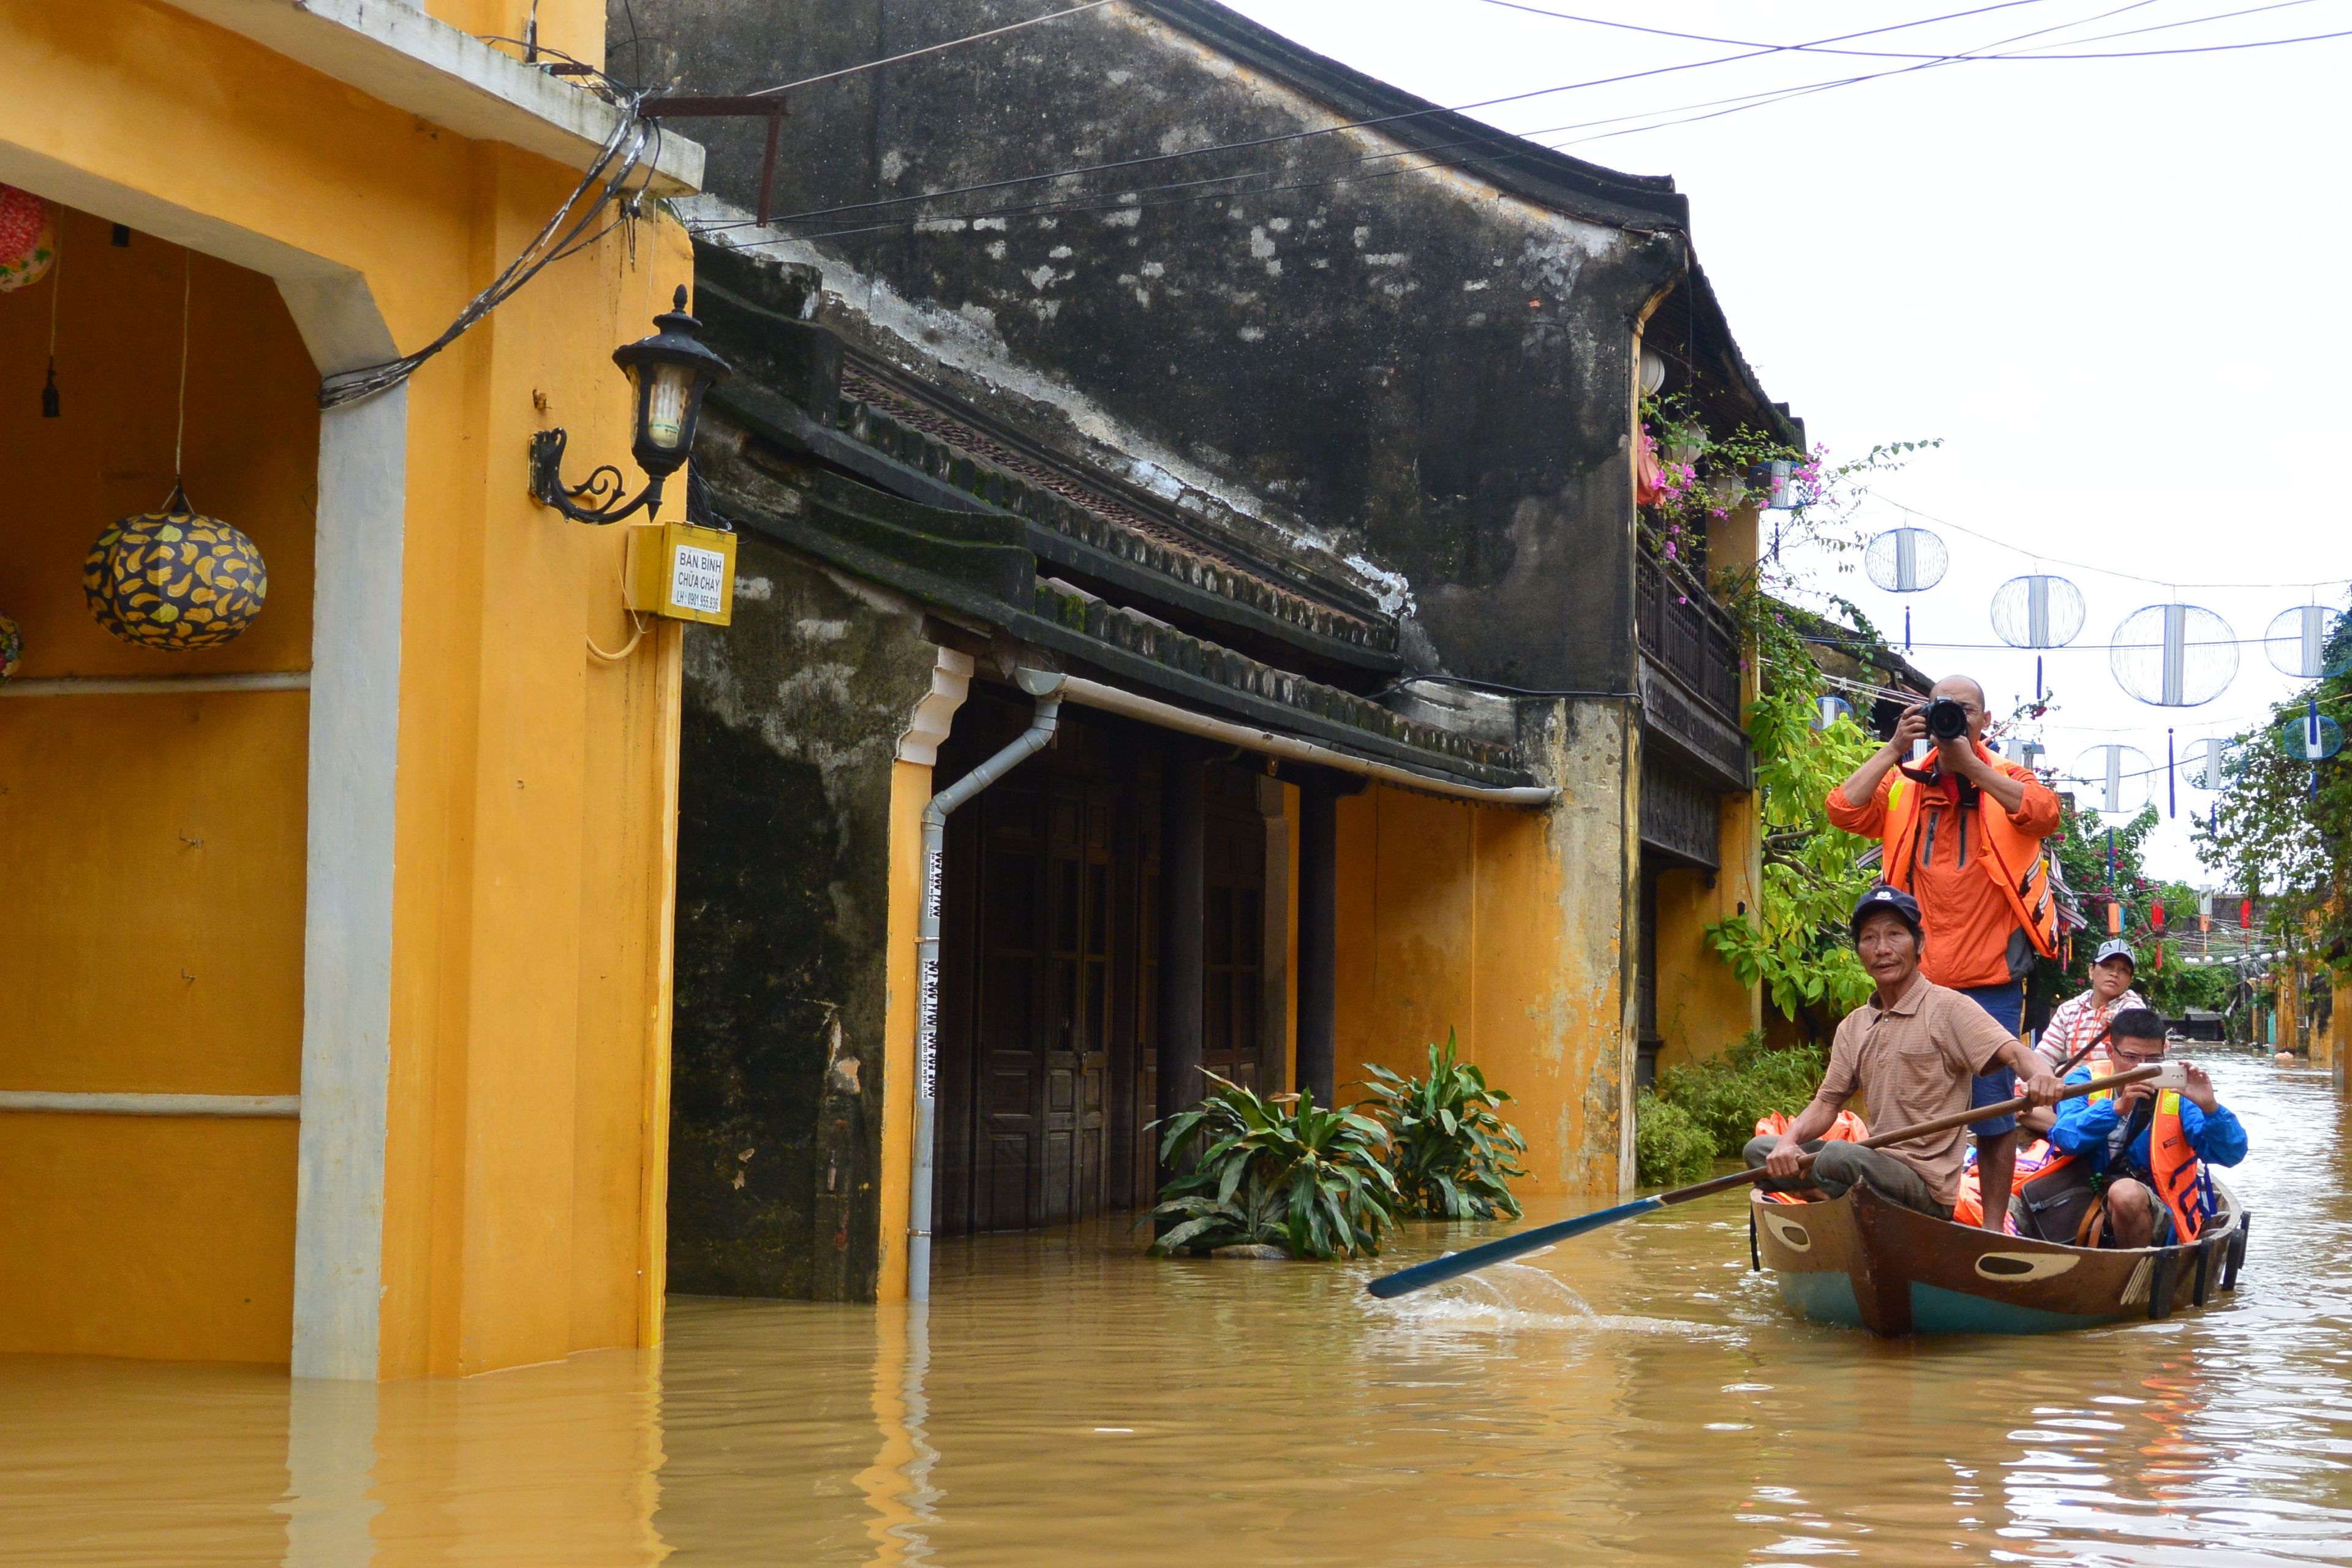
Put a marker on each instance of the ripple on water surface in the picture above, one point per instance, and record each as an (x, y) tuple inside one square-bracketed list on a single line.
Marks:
[(1635, 1396)]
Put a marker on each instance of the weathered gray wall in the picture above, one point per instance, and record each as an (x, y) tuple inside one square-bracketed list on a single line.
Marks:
[(1413, 371), (791, 716)]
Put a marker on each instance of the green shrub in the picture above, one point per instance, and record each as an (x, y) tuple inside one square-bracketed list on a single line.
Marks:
[(1452, 1155), (1281, 1172), (1725, 1096), (1669, 1148)]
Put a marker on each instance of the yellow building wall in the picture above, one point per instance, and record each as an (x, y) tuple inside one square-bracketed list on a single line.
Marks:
[(154, 844), (1505, 927), (535, 781)]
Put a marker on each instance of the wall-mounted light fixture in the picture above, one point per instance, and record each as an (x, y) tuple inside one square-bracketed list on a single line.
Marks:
[(668, 372)]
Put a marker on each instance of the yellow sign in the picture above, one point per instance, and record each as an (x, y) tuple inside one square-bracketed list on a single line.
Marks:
[(683, 572)]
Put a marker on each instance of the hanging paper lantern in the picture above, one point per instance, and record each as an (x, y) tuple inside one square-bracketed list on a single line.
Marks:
[(2117, 777), (2312, 740), (2299, 642), (2210, 763), (11, 646), (2174, 656), (2039, 611), (1828, 711), (28, 238), (174, 579), (1905, 560)]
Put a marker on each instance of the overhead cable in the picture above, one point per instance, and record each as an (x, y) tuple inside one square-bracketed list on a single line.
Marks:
[(1115, 165), (2090, 566), (926, 49), (622, 153)]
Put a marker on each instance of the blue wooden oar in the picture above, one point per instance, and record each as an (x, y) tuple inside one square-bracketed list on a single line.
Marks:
[(1470, 1259)]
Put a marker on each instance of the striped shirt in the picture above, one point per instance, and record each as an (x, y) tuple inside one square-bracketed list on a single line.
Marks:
[(2077, 1022)]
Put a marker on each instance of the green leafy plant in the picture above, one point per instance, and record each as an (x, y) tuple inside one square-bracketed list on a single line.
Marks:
[(1794, 942), (1279, 1170), (1724, 1096), (1669, 1148), (1451, 1153)]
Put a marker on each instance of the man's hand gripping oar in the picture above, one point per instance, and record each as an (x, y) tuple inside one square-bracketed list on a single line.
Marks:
[(1421, 1275)]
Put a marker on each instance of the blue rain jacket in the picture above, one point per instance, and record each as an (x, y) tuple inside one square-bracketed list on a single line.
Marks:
[(2086, 1125)]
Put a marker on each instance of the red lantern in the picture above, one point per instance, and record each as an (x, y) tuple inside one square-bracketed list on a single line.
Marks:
[(28, 238), (2245, 914), (2156, 916)]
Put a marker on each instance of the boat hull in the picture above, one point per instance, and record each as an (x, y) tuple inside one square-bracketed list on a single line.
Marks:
[(1863, 1262)]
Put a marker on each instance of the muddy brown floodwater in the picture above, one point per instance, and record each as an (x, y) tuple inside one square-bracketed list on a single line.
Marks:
[(1636, 1397)]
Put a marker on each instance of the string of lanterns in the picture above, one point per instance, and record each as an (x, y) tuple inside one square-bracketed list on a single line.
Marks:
[(173, 579), (2169, 655)]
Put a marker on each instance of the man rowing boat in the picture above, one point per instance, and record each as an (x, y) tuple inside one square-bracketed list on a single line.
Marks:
[(1913, 1053)]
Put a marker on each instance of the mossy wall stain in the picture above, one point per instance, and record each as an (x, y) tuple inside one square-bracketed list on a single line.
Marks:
[(790, 727), (1420, 375)]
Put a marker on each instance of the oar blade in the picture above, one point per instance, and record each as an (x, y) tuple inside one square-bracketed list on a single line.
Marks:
[(1502, 1250)]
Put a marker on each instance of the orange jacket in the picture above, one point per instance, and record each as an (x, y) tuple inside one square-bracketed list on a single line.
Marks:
[(1976, 874)]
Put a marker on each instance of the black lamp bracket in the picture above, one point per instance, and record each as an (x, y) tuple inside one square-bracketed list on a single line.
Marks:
[(601, 490)]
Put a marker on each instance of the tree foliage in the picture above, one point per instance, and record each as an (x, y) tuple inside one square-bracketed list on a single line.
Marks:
[(1794, 942), (2160, 974), (2274, 837)]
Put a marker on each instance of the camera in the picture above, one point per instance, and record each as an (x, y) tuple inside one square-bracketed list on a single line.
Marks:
[(1947, 720)]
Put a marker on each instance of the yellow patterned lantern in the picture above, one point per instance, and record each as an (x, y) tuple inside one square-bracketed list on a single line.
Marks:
[(28, 238), (174, 579)]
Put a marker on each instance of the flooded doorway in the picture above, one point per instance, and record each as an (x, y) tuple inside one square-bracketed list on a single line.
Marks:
[(1049, 969)]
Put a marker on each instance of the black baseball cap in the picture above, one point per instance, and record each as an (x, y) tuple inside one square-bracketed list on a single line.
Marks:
[(1883, 897)]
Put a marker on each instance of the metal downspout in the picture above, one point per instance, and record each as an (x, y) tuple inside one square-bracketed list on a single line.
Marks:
[(1046, 689)]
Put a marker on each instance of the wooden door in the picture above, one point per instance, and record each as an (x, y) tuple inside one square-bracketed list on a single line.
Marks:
[(1009, 1087), (1078, 977), (1231, 1046)]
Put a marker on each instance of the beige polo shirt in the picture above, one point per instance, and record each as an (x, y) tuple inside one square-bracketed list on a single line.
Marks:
[(1912, 1063)]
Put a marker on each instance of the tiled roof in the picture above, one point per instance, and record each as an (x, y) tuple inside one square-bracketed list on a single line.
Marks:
[(928, 438), (1142, 634)]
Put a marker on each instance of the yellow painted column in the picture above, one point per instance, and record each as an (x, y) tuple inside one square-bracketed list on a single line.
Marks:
[(910, 791)]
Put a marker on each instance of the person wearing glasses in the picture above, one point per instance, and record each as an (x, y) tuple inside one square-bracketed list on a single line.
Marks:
[(2146, 1149)]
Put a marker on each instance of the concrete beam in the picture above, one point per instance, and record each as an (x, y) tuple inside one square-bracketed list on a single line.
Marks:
[(398, 54)]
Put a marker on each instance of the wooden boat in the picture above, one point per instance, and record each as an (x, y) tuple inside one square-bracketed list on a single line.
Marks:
[(1865, 1262)]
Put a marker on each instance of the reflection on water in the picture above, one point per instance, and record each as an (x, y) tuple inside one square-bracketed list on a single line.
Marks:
[(1637, 1395)]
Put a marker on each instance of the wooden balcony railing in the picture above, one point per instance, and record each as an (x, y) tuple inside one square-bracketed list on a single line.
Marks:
[(1679, 624)]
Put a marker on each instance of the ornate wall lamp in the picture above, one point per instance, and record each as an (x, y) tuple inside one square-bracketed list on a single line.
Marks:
[(668, 372)]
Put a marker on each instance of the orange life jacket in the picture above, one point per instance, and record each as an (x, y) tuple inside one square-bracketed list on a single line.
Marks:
[(2179, 1174), (2013, 860), (2034, 1160), (1847, 1129)]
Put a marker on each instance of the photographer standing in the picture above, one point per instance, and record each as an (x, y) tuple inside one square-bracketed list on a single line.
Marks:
[(1961, 832)]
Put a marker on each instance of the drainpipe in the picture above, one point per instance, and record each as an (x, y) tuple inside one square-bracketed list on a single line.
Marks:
[(1046, 687)]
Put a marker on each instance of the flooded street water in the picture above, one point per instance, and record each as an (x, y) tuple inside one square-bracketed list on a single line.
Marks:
[(1636, 1395)]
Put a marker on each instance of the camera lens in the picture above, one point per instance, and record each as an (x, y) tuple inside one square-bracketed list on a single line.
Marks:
[(1947, 720)]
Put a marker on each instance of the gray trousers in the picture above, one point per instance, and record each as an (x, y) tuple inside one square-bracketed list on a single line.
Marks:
[(1838, 1165)]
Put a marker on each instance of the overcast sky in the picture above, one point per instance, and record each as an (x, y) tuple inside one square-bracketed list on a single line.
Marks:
[(2113, 288)]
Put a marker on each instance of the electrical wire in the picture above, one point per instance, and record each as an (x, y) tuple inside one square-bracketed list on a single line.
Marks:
[(615, 162), (927, 50), (1252, 142), (2088, 566), (1899, 55), (1977, 57), (1093, 203)]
